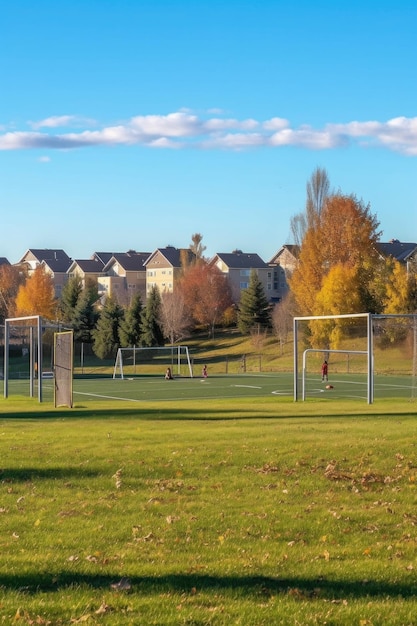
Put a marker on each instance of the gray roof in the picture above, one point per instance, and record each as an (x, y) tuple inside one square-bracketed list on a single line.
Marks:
[(242, 260), (104, 257), (47, 254), (130, 261), (4, 261), (173, 255), (397, 249), (58, 265), (88, 265)]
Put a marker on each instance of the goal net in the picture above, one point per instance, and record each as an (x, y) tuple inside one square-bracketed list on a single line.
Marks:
[(63, 368), (152, 361), (368, 356)]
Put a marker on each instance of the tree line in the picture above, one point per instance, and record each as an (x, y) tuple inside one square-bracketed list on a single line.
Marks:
[(338, 271)]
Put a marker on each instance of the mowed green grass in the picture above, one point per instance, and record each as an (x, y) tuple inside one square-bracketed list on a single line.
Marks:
[(242, 510)]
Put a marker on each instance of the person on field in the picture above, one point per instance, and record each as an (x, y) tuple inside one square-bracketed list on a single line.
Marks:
[(168, 374), (325, 371), (204, 371)]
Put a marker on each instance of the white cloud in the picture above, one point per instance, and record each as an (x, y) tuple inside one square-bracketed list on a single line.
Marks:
[(185, 130), (44, 159)]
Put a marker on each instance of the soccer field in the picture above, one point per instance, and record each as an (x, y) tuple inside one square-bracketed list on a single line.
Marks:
[(278, 385)]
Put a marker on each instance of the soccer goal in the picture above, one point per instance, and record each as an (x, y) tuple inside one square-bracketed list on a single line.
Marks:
[(152, 361), (23, 354), (378, 354)]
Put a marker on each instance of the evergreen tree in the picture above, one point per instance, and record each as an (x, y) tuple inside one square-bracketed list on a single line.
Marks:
[(106, 333), (152, 334), (130, 325), (254, 311), (70, 295), (85, 314)]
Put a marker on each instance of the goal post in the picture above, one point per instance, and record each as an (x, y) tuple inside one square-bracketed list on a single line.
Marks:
[(136, 361), (368, 352)]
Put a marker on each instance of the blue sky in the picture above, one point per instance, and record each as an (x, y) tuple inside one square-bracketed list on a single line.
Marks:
[(136, 123)]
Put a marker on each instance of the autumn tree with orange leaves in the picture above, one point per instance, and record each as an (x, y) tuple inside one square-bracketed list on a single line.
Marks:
[(344, 234), (11, 278), (37, 296), (207, 294)]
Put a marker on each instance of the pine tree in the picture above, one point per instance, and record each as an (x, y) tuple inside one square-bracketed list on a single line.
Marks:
[(106, 333), (152, 334), (130, 325), (254, 311), (85, 314), (70, 295)]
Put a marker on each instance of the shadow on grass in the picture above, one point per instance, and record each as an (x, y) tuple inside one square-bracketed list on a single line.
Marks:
[(29, 474), (166, 413), (302, 588)]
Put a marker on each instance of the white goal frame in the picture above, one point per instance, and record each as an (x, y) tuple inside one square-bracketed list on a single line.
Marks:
[(177, 355), (369, 352)]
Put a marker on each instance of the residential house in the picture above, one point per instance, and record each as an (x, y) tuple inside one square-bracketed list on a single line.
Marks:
[(404, 253), (57, 269), (283, 263), (55, 262), (238, 266), (124, 276), (164, 266), (86, 269)]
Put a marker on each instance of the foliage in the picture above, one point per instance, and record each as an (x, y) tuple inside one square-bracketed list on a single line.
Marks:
[(130, 324), (318, 191), (152, 333), (197, 246), (254, 312), (344, 234), (11, 278), (70, 295), (397, 293), (37, 296), (85, 314), (207, 294), (106, 333), (282, 319), (174, 319)]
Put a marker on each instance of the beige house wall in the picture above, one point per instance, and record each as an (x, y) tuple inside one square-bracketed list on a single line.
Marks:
[(161, 274)]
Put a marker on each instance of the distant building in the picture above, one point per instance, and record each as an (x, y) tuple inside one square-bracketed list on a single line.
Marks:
[(404, 253), (55, 261), (164, 266), (124, 276), (238, 266)]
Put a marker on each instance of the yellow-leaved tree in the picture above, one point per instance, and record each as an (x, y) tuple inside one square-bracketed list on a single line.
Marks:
[(344, 233), (397, 290), (37, 296), (339, 295)]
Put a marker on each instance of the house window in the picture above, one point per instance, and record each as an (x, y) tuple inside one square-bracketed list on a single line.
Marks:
[(244, 285), (245, 272), (269, 286)]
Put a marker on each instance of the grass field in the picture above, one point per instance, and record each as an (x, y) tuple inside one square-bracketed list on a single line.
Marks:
[(215, 507), (277, 384)]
